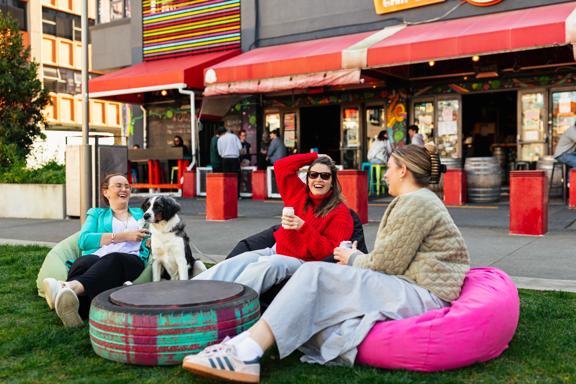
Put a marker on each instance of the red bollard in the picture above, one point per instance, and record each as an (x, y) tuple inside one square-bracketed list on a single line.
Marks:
[(221, 196), (189, 186), (354, 188), (528, 203), (572, 192), (259, 190), (454, 187)]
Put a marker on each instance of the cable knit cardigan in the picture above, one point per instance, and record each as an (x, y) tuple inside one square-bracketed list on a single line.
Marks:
[(418, 240)]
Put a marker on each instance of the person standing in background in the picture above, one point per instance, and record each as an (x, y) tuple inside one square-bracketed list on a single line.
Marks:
[(245, 151), (229, 147), (415, 137), (215, 158), (277, 149)]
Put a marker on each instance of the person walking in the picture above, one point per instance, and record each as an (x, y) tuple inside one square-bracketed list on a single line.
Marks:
[(418, 264), (415, 137), (277, 149), (229, 147), (215, 158)]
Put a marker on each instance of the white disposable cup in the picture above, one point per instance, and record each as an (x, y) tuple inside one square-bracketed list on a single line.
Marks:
[(287, 211), (346, 244)]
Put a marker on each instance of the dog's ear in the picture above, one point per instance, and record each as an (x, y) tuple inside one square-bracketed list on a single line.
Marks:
[(171, 206), (146, 204)]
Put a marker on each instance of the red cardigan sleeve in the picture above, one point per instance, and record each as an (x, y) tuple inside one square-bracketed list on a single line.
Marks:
[(286, 170)]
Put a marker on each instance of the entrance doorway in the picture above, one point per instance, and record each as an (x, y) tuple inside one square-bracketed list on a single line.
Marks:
[(489, 121), (320, 128)]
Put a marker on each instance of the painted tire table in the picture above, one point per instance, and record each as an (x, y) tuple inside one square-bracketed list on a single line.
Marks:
[(160, 323)]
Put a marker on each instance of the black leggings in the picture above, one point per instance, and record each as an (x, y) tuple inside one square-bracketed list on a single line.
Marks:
[(98, 274)]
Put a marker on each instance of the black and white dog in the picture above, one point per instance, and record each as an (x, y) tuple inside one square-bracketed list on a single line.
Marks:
[(170, 244)]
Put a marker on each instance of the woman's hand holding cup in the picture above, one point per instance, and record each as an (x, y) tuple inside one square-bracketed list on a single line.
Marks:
[(290, 220)]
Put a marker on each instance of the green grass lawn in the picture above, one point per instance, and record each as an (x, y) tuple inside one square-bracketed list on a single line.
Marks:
[(35, 348)]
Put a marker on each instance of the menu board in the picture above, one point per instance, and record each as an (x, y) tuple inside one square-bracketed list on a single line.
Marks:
[(351, 127), (448, 123), (532, 113), (424, 118), (166, 122), (290, 130)]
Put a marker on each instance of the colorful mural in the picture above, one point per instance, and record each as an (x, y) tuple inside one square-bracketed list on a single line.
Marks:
[(175, 27)]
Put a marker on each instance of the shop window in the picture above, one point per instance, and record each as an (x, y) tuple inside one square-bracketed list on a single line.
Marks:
[(110, 10), (67, 109), (49, 50), (98, 113), (65, 53), (113, 115)]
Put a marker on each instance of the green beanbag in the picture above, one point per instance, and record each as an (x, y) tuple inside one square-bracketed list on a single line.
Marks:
[(54, 264)]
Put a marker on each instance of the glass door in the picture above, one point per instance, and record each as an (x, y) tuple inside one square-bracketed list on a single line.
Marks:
[(423, 117), (289, 134), (375, 122), (532, 130), (350, 144), (449, 122), (563, 114)]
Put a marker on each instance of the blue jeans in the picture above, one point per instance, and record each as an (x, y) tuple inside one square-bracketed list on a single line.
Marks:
[(568, 158)]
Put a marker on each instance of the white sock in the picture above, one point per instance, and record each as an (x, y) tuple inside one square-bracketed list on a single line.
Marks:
[(246, 348)]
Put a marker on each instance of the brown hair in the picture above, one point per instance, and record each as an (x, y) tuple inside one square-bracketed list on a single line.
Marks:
[(335, 198), (106, 183), (417, 160)]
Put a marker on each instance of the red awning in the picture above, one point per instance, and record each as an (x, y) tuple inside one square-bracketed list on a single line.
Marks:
[(129, 84), (338, 60), (531, 28)]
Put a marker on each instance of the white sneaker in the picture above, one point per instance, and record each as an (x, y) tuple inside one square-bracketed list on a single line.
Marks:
[(198, 268), (219, 361), (51, 288), (67, 306)]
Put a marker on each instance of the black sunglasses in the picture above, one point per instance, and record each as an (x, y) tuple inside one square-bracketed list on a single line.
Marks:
[(323, 175)]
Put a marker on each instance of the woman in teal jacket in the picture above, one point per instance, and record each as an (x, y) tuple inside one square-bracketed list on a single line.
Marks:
[(113, 249)]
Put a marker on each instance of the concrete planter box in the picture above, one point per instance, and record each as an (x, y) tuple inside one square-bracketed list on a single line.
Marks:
[(32, 201)]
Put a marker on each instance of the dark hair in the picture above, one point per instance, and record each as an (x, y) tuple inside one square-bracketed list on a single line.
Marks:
[(417, 160), (181, 141), (414, 127), (241, 132), (276, 132), (220, 130), (106, 183), (382, 135), (335, 198)]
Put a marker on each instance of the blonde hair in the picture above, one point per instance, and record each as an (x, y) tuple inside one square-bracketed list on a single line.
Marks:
[(417, 160)]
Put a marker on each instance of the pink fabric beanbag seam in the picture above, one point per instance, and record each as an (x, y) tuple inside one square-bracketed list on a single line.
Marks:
[(476, 328)]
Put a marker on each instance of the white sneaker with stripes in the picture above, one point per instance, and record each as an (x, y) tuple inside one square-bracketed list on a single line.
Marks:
[(219, 361)]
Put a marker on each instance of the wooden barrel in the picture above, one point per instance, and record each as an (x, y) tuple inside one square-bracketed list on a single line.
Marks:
[(483, 179), (545, 164), (160, 323)]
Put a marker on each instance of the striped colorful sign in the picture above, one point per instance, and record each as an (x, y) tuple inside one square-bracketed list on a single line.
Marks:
[(182, 27)]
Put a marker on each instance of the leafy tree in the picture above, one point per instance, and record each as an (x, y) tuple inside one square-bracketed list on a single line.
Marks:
[(22, 96)]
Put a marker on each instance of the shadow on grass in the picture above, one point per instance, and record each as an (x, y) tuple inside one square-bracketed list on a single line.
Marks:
[(35, 348)]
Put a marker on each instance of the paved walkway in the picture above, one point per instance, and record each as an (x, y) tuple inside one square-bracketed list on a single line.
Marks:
[(545, 262)]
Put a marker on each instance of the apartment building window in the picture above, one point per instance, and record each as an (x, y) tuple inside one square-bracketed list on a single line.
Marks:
[(49, 50), (65, 53), (17, 9), (67, 109), (110, 10), (98, 113), (51, 109)]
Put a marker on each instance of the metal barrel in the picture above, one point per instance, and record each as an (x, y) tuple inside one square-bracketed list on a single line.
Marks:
[(546, 164), (483, 179)]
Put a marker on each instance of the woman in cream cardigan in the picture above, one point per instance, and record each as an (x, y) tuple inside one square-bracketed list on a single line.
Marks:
[(325, 310)]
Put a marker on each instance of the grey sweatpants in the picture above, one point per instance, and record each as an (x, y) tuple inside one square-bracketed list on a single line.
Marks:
[(259, 270), (326, 310)]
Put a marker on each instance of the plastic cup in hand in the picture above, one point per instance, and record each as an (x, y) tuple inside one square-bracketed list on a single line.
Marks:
[(287, 211), (346, 244)]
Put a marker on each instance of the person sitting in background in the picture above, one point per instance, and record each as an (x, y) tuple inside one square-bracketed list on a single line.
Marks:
[(178, 142), (277, 149), (415, 137), (325, 310), (114, 251), (565, 150), (380, 149), (319, 223)]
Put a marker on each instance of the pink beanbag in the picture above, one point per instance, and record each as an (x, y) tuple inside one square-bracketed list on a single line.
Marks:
[(477, 327)]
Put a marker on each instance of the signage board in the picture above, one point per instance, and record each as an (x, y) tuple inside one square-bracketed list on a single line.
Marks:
[(388, 6)]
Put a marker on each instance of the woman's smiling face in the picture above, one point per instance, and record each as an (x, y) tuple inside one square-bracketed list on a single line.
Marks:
[(317, 184), (118, 190)]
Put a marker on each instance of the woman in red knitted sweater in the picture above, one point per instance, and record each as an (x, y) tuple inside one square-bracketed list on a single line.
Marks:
[(320, 222)]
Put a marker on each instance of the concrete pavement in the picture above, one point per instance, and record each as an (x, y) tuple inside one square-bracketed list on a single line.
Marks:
[(546, 262)]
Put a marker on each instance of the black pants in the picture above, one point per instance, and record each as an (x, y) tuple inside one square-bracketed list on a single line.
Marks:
[(232, 164), (98, 274)]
